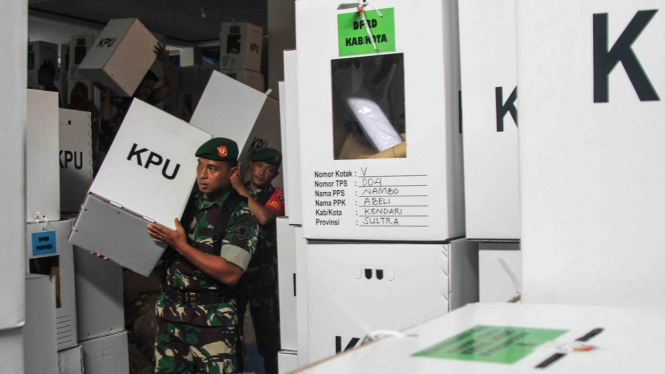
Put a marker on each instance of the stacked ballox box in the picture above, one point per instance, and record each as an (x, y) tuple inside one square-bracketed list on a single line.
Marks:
[(374, 175), (491, 167), (40, 53)]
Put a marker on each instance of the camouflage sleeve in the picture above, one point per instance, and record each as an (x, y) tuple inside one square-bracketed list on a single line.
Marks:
[(242, 234)]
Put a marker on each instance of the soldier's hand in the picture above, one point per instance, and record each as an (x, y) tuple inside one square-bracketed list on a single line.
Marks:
[(175, 238), (236, 179), (99, 255)]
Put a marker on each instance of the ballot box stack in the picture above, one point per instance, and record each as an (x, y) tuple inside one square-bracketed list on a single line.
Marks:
[(40, 53), (374, 145), (590, 83), (491, 162), (241, 48)]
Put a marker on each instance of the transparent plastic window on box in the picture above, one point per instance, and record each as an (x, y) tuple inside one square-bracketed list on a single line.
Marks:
[(368, 107)]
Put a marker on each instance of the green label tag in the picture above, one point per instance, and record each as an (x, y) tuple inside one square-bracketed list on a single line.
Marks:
[(354, 38), (497, 344)]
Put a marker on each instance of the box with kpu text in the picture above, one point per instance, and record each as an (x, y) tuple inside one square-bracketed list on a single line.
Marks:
[(356, 289), (382, 140), (489, 102), (240, 46), (147, 177), (121, 56), (75, 158)]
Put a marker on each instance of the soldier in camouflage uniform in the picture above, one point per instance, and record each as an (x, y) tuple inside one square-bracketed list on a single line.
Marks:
[(258, 286), (197, 312)]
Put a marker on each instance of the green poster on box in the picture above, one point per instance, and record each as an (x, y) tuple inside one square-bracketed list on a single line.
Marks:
[(497, 344), (354, 38)]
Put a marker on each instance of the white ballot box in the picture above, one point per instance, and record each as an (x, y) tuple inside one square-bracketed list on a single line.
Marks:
[(121, 56), (71, 361), (240, 46), (500, 272), (78, 49), (286, 266), (591, 152), (108, 354), (380, 126), (75, 158), (355, 289), (42, 184), (516, 338), (49, 253), (228, 108), (292, 154), (489, 102), (147, 177), (39, 336)]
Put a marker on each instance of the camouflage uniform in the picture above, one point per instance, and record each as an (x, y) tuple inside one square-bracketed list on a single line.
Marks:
[(204, 338), (258, 286)]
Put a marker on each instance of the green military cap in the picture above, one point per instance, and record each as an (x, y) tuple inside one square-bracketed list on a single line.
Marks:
[(268, 155), (218, 149)]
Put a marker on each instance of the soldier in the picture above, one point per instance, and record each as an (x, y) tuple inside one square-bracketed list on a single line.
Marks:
[(197, 319), (258, 286)]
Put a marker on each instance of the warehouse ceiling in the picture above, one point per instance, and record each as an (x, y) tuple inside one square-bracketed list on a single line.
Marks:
[(179, 20)]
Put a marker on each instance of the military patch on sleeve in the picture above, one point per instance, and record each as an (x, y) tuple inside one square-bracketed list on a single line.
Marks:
[(240, 237)]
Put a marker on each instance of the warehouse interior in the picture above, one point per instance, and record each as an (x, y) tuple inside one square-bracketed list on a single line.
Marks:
[(287, 186)]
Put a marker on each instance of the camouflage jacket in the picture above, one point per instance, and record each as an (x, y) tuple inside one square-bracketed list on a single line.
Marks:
[(262, 270), (238, 245)]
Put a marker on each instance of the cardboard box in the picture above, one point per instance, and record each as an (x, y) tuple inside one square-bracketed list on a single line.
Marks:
[(71, 361), (248, 77), (500, 272), (147, 176), (79, 45), (42, 53), (489, 91), (265, 133), (121, 57), (99, 296), (302, 308), (39, 332), (49, 253), (75, 158), (355, 289), (292, 169), (108, 354), (287, 361), (11, 350), (286, 266), (42, 166), (380, 99), (548, 329), (228, 108), (240, 46), (591, 153)]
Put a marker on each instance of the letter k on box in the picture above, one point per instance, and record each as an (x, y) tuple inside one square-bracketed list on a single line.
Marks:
[(147, 177)]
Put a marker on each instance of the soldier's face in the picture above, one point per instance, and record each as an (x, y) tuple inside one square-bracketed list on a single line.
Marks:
[(213, 177), (262, 173)]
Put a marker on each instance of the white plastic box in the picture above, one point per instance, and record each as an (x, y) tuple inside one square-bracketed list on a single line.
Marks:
[(591, 152), (228, 109), (79, 47), (42, 53), (147, 176), (49, 253), (122, 55), (11, 350), (99, 296), (548, 329), (286, 266), (187, 102), (292, 144), (71, 361), (241, 46), (39, 333), (355, 289), (489, 104), (302, 307), (287, 361), (248, 77), (500, 272), (354, 104), (75, 158), (108, 354), (285, 140), (42, 167), (266, 133)]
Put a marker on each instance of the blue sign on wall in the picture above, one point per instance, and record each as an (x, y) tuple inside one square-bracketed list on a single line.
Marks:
[(43, 243)]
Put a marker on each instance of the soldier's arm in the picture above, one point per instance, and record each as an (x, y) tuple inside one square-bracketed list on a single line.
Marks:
[(215, 266), (264, 215)]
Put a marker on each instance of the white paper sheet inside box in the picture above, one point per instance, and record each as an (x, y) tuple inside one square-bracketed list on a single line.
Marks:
[(121, 56), (351, 102), (71, 361), (228, 108)]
